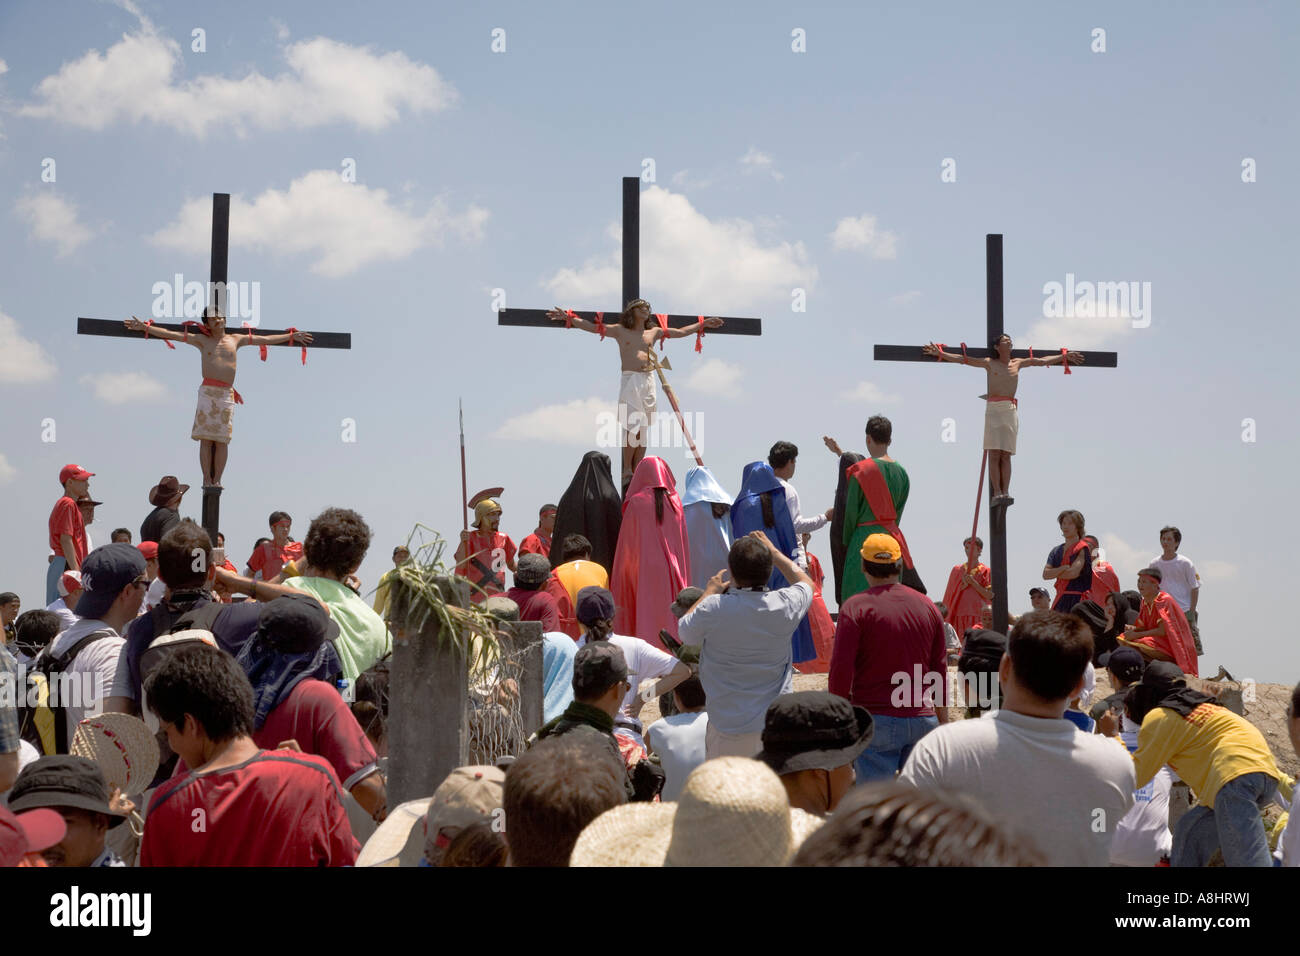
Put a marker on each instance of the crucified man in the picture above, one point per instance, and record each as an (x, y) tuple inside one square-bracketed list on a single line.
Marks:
[(636, 334), (214, 418), (1001, 417)]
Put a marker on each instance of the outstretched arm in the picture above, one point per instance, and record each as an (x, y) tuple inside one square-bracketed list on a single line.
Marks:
[(557, 315), (293, 338), (156, 332), (1076, 358), (943, 356), (712, 322)]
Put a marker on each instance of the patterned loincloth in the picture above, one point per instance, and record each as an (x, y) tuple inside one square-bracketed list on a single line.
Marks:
[(214, 416)]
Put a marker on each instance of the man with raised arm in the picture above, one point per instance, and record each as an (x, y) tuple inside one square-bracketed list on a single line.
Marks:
[(1001, 418), (636, 335), (213, 419)]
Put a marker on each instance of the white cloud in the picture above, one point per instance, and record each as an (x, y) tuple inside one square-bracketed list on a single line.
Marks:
[(281, 29), (861, 234), (136, 80), (1078, 332), (714, 266), (756, 161), (7, 471), (122, 388), (1217, 570), (53, 219), (318, 215), (578, 422), (868, 393), (1128, 560), (905, 298), (22, 361), (4, 67), (712, 377)]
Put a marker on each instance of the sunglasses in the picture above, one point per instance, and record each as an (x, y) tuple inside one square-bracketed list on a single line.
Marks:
[(141, 583)]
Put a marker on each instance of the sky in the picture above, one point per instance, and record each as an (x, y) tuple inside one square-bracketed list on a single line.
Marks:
[(398, 170)]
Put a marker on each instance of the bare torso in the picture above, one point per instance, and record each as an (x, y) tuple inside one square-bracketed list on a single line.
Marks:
[(634, 346), (218, 355), (1004, 379)]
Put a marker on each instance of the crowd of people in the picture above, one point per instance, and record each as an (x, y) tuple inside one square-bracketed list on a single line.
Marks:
[(255, 702)]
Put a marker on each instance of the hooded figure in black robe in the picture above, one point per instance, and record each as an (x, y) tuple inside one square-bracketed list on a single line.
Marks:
[(590, 506)]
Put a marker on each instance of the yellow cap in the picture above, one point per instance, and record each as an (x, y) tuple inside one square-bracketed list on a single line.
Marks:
[(881, 549)]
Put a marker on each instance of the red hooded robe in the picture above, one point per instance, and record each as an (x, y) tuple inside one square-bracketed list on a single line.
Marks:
[(1177, 640), (652, 561)]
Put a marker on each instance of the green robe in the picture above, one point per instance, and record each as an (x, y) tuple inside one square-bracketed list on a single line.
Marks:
[(858, 512)]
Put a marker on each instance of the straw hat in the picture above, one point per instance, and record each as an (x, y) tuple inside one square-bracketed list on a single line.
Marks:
[(123, 747), (733, 811)]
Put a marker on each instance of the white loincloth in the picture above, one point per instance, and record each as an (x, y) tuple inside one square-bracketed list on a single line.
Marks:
[(637, 401), (214, 416), (1001, 425)]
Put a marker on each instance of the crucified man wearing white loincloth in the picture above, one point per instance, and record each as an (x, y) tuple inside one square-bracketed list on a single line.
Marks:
[(1001, 415), (213, 419)]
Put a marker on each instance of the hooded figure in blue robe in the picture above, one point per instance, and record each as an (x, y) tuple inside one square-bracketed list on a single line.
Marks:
[(761, 506), (708, 528)]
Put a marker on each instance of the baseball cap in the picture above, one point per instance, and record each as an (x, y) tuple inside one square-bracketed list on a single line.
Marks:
[(469, 795), (62, 780), (30, 832), (149, 549), (533, 569), (881, 549), (69, 581), (594, 604), (1126, 664), (296, 624), (76, 472), (813, 730), (1042, 591), (599, 664), (105, 572), (686, 599)]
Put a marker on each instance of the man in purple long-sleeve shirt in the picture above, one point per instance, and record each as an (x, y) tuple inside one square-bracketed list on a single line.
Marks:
[(890, 657)]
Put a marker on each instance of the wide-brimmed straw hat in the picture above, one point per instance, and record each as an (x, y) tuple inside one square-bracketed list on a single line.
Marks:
[(123, 747), (732, 811)]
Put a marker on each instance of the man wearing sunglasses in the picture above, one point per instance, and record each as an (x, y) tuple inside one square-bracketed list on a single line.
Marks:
[(113, 582)]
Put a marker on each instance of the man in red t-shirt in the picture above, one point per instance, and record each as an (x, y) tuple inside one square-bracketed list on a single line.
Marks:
[(67, 530), (241, 805), (539, 542), (270, 557), (890, 657), (535, 602)]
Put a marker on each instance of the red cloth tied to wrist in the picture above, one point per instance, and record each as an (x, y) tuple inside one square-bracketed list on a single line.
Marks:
[(600, 325), (964, 359), (185, 328), (1031, 351), (662, 318), (699, 336), (164, 341), (1065, 360), (261, 349), (291, 330), (569, 316), (939, 357)]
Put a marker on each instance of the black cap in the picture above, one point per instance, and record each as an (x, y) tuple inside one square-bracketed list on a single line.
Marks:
[(982, 651), (594, 604), (104, 574), (296, 624), (62, 781), (1126, 664), (598, 666), (813, 730), (533, 569), (686, 599), (1042, 591)]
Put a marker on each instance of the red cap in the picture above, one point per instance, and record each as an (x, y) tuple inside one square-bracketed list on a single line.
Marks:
[(28, 832), (74, 472), (149, 549)]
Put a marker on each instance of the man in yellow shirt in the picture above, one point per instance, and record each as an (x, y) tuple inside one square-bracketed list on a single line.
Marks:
[(1221, 756)]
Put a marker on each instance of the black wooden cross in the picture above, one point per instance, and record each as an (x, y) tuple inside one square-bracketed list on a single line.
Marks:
[(217, 296), (913, 353)]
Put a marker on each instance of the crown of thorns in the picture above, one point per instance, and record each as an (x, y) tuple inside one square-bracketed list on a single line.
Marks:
[(634, 303)]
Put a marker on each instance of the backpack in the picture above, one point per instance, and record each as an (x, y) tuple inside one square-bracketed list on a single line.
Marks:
[(41, 723)]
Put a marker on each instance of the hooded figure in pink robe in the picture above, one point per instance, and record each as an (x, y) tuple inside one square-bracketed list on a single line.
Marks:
[(652, 561)]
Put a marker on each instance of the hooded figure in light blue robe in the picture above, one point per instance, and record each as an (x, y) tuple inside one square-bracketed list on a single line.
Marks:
[(708, 527)]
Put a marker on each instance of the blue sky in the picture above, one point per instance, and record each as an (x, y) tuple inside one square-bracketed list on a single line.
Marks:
[(773, 170)]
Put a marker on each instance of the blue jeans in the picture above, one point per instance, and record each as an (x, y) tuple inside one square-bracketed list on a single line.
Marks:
[(52, 575), (1235, 825), (891, 743)]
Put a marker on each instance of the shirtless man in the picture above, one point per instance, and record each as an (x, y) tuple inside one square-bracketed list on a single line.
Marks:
[(1001, 418), (636, 334), (213, 420)]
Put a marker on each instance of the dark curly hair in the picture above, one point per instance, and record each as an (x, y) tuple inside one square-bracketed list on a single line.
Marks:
[(337, 541), (206, 683)]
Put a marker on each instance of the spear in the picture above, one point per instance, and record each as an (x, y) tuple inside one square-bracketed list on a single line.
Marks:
[(659, 364), (464, 491)]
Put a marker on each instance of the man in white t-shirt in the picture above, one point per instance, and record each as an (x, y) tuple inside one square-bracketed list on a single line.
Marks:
[(782, 459), (679, 738), (1178, 578), (743, 630), (1061, 790), (113, 583)]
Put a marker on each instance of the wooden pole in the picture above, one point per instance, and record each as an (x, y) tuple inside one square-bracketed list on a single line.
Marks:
[(997, 515)]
